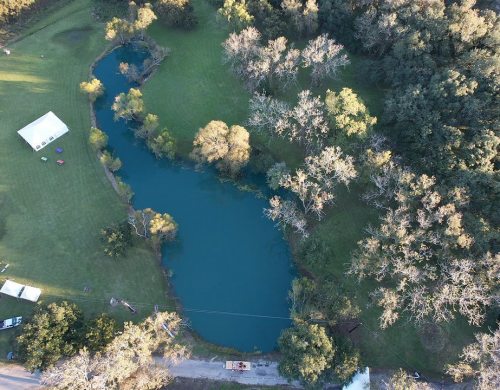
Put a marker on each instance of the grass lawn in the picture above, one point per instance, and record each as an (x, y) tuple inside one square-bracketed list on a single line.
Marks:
[(191, 88), (51, 215)]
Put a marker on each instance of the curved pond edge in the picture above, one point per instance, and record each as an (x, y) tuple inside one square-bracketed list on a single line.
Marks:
[(201, 347)]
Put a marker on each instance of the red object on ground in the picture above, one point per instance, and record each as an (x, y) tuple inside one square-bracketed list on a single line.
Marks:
[(60, 162)]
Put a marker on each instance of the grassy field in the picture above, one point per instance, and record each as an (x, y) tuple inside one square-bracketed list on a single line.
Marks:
[(51, 215), (191, 88)]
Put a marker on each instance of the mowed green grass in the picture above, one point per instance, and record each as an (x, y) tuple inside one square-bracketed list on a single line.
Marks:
[(52, 214), (192, 87)]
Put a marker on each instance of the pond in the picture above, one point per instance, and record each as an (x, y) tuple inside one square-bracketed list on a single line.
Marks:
[(231, 267)]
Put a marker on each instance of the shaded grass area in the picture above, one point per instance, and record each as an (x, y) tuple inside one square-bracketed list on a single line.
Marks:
[(51, 215), (192, 87)]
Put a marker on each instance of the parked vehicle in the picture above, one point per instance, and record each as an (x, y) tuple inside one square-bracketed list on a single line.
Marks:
[(10, 323)]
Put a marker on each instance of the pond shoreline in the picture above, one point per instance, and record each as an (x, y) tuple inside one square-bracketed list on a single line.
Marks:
[(202, 346)]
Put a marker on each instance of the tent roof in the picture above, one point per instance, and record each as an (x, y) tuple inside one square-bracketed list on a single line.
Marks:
[(20, 291), (43, 131), (31, 293), (11, 288), (361, 381)]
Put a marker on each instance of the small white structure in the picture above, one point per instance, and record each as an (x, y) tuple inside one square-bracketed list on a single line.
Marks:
[(6, 51), (43, 131), (31, 293), (20, 291), (361, 381)]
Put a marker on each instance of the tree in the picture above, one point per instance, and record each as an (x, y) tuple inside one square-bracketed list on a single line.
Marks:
[(423, 249), (286, 213), (324, 57), (177, 13), (228, 147), (272, 66), (93, 88), (400, 380), (129, 106), (99, 332), (240, 49), (97, 139), (236, 13), (130, 71), (310, 15), (481, 361), (348, 113), (148, 127), (116, 239), (124, 190), (110, 162), (127, 362), (305, 123), (275, 175), (126, 29), (307, 352), (145, 16), (163, 145), (76, 373), (314, 184), (54, 331), (153, 226)]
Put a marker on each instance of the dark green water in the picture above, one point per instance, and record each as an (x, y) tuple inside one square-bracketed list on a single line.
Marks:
[(231, 267)]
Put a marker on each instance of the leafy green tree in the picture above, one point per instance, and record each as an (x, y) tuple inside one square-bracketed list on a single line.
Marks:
[(10, 10), (177, 13), (110, 162), (307, 352), (93, 88), (129, 106), (153, 226), (228, 147), (163, 145), (116, 239), (97, 139), (348, 113), (148, 127), (124, 190), (127, 362), (99, 332), (53, 332), (236, 13), (123, 30)]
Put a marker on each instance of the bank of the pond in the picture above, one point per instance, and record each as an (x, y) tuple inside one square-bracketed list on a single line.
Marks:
[(231, 268)]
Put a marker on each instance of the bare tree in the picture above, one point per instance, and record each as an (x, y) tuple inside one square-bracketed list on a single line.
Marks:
[(480, 360), (267, 113), (324, 57), (285, 213)]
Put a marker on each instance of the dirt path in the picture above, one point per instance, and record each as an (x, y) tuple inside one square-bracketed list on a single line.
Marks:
[(259, 375), (13, 376)]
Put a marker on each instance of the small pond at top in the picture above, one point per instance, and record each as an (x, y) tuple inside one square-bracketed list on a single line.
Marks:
[(231, 266)]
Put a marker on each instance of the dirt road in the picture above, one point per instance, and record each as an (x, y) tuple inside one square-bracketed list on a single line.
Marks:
[(15, 377)]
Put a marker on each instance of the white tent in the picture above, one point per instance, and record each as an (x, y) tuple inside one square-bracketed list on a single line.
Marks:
[(12, 288), (31, 293), (361, 381), (20, 291), (43, 131)]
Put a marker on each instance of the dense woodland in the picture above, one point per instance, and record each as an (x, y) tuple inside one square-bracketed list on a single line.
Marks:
[(428, 164)]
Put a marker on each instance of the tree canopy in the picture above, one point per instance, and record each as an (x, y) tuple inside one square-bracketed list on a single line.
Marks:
[(228, 147)]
